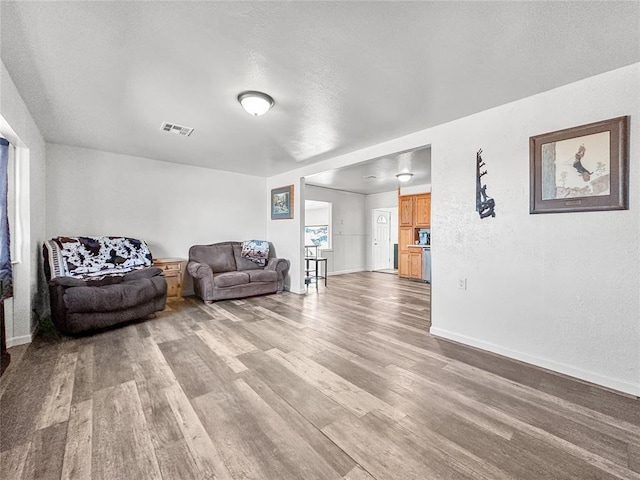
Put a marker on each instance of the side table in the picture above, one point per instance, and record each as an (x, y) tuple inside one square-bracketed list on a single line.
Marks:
[(312, 275), (173, 271)]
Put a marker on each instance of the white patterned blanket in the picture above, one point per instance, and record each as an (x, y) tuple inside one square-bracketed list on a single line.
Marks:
[(95, 256)]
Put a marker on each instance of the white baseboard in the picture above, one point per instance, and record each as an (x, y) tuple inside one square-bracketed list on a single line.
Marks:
[(296, 291), (15, 341), (342, 272), (598, 379)]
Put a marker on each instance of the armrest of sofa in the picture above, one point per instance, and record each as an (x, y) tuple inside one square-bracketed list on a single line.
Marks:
[(202, 279), (280, 265), (199, 270)]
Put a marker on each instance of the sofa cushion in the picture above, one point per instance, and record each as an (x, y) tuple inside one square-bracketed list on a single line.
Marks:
[(115, 297), (263, 275), (230, 279), (242, 263), (218, 257)]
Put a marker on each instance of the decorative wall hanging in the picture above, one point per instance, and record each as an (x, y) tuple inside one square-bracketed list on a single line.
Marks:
[(485, 205), (282, 203), (580, 169)]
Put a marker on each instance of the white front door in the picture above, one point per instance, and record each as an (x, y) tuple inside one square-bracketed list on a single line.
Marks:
[(381, 240)]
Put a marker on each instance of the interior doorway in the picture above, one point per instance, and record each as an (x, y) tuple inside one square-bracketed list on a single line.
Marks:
[(384, 235)]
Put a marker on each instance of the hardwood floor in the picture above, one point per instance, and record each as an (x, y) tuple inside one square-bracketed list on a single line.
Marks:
[(343, 383)]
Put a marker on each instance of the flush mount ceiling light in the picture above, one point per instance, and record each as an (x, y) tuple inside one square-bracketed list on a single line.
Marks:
[(255, 103), (404, 177)]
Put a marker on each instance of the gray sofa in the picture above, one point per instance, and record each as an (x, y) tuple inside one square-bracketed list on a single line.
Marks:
[(220, 272), (97, 282)]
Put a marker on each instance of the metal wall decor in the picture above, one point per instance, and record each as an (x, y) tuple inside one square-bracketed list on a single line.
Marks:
[(485, 205)]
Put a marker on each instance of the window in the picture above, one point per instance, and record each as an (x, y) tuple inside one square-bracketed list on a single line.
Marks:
[(317, 235), (317, 229)]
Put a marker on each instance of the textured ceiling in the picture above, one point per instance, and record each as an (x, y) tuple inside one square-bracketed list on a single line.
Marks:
[(379, 174), (344, 75)]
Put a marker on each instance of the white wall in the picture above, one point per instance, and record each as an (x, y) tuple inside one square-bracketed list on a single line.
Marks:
[(318, 215), (415, 189), (559, 290), (28, 303), (170, 206), (348, 232)]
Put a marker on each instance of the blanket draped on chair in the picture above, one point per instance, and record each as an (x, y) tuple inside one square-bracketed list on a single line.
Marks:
[(94, 256), (256, 250)]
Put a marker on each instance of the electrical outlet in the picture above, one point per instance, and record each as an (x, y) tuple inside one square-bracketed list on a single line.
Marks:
[(462, 284)]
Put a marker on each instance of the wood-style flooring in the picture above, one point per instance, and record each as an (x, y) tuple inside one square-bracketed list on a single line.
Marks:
[(343, 383)]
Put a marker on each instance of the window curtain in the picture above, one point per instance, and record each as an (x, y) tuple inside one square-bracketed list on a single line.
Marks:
[(6, 275)]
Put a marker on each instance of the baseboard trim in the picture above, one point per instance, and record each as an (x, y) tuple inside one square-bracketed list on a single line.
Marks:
[(601, 380), (342, 272), (15, 341), (297, 292)]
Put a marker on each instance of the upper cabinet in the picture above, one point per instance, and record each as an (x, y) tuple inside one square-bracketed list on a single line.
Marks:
[(405, 209), (415, 210), (422, 210)]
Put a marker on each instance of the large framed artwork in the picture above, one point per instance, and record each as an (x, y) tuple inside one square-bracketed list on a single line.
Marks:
[(580, 169), (282, 203)]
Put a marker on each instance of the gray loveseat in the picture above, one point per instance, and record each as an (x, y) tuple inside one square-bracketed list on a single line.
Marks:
[(220, 272), (97, 282)]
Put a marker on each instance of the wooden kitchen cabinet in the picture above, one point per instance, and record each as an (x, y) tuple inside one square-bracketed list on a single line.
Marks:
[(405, 209), (405, 238), (404, 264), (422, 210), (414, 213), (415, 263)]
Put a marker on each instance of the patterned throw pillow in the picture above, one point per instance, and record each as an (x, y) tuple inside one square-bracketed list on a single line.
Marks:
[(256, 250)]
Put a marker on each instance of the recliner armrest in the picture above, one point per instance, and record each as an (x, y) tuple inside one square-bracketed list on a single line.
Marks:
[(147, 272), (67, 282), (199, 270)]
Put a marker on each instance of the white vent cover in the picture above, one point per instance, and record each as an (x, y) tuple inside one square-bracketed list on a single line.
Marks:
[(179, 129)]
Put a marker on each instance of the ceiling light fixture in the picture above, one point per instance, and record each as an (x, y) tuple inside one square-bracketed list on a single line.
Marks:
[(404, 177), (255, 103)]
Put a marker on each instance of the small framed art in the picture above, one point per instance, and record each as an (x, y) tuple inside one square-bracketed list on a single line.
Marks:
[(282, 203), (580, 169)]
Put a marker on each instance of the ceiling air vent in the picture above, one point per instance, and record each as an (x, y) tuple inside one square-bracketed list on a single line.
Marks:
[(179, 129)]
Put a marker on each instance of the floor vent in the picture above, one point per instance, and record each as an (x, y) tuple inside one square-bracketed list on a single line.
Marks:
[(179, 129)]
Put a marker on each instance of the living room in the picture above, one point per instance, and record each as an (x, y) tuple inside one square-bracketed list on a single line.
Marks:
[(558, 291)]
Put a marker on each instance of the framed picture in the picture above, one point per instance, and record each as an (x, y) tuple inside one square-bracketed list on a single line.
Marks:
[(282, 203), (580, 169)]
